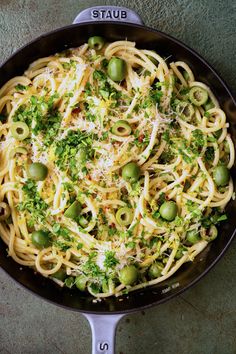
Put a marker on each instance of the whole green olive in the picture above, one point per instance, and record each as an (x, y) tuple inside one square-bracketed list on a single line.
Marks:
[(41, 239), (116, 69), (168, 210), (81, 282), (38, 171), (221, 176), (179, 254), (155, 270), (131, 172), (192, 236), (128, 275)]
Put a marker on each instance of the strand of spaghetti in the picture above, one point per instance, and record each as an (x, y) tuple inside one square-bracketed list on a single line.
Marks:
[(183, 65), (104, 190), (22, 80), (42, 270), (178, 74), (171, 257), (150, 162), (113, 202), (156, 56), (11, 251), (4, 100), (224, 201), (231, 151), (132, 105), (167, 168), (86, 238), (115, 46), (81, 79), (146, 153), (146, 186), (173, 184)]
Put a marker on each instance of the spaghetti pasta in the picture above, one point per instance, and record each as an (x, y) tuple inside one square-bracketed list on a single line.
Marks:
[(106, 184)]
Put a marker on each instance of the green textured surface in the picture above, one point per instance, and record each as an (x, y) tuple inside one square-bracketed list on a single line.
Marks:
[(203, 319)]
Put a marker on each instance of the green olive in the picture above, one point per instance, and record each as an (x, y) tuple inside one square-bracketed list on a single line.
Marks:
[(81, 155), (128, 275), (217, 134), (69, 282), (198, 96), (185, 110), (17, 150), (192, 236), (60, 274), (179, 254), (5, 211), (40, 239), (81, 282), (116, 69), (212, 234), (38, 171), (121, 128), (221, 176), (155, 270), (96, 42), (168, 210), (83, 221), (74, 210), (19, 130), (124, 216), (131, 172)]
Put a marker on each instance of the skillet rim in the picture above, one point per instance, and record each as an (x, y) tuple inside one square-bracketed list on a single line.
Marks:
[(233, 99)]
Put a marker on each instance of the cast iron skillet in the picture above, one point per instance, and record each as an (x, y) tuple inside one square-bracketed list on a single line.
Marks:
[(114, 23)]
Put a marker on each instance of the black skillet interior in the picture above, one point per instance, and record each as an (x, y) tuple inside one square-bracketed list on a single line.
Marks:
[(73, 36)]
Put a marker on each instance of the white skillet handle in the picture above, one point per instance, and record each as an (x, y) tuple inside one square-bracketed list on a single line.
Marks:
[(103, 332), (108, 13)]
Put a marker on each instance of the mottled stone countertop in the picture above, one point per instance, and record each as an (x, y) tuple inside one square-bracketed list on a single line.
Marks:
[(203, 319)]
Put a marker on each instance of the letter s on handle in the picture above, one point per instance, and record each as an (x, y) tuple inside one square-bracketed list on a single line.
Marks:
[(103, 332), (108, 13)]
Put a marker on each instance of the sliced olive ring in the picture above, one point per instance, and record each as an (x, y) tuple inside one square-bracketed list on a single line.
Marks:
[(198, 96), (185, 110), (96, 42), (121, 128), (212, 234), (124, 216), (19, 130)]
